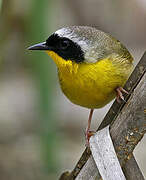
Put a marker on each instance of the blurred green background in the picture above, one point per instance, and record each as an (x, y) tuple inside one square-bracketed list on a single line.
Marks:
[(41, 132)]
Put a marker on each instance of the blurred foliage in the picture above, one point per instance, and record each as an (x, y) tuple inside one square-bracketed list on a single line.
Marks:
[(0, 4), (38, 31), (19, 29)]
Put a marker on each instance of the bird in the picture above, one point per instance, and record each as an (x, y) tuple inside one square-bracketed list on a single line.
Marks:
[(92, 66)]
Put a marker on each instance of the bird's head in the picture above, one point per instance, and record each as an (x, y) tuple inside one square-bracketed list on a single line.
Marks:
[(68, 44), (77, 44)]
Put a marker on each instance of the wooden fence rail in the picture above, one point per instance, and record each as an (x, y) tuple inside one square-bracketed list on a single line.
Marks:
[(127, 127)]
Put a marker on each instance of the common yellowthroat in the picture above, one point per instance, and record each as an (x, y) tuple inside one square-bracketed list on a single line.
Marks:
[(92, 66)]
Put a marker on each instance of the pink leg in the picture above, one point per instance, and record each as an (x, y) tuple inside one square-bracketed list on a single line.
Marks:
[(120, 92), (88, 132)]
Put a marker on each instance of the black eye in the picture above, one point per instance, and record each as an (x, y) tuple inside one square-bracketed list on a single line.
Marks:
[(64, 44)]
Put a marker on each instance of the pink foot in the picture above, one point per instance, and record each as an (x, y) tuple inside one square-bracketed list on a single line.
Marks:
[(120, 92), (88, 135)]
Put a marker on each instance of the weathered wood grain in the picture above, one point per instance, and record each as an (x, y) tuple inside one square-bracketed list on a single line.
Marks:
[(132, 170), (130, 125), (89, 170), (104, 155)]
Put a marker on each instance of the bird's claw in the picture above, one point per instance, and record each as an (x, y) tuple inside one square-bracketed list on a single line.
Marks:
[(88, 134), (120, 96)]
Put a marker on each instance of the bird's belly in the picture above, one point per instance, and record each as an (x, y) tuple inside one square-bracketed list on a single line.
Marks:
[(87, 98), (87, 92)]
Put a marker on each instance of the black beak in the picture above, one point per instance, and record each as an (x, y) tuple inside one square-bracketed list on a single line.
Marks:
[(40, 46)]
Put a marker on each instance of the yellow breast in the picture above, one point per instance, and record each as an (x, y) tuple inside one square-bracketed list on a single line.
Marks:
[(91, 85)]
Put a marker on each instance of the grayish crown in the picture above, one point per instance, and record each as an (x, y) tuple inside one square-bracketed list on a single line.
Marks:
[(94, 43)]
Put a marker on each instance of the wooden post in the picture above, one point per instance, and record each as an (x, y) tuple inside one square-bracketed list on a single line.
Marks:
[(128, 126), (104, 155)]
